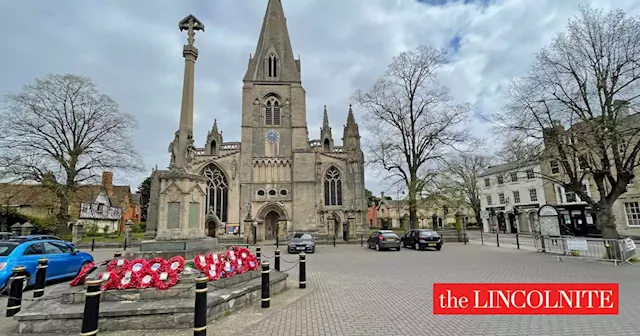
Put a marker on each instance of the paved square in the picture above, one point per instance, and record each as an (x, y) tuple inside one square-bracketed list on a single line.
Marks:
[(357, 291)]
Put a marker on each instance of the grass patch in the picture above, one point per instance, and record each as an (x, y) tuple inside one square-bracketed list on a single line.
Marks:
[(634, 259), (114, 238)]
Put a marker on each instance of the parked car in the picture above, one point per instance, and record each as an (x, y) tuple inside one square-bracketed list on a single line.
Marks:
[(420, 239), (39, 237), (301, 242), (6, 235), (64, 260), (384, 239)]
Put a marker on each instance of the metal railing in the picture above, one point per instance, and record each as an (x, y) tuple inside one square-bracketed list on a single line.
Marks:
[(618, 251)]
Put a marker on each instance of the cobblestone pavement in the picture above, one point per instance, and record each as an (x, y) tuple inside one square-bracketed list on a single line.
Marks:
[(363, 292)]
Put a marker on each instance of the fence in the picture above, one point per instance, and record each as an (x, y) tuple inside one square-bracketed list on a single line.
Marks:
[(94, 291)]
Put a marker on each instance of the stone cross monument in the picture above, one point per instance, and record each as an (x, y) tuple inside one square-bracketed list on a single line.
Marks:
[(181, 205)]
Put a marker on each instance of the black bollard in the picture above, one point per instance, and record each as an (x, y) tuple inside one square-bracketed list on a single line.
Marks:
[(334, 241), (302, 281), (258, 254), (93, 244), (266, 295), (517, 241), (361, 240), (117, 255), (14, 303), (91, 307), (125, 243), (497, 239), (41, 278), (465, 238), (200, 313), (481, 236), (277, 254)]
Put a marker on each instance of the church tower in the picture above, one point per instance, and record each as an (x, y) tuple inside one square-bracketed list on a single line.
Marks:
[(274, 127)]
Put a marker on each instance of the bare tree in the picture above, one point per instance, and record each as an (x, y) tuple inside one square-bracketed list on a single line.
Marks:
[(61, 132), (412, 121), (574, 103), (461, 176)]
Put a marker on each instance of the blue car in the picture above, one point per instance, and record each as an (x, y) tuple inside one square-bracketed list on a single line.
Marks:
[(64, 260)]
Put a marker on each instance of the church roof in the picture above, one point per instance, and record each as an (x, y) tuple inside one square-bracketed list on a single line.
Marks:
[(274, 39)]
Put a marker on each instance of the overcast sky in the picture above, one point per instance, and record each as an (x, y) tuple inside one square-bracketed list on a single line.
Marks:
[(133, 52)]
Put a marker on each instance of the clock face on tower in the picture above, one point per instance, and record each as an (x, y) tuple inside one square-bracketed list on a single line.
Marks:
[(273, 136)]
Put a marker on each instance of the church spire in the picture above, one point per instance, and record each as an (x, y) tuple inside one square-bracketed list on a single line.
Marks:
[(325, 119), (351, 121), (273, 59)]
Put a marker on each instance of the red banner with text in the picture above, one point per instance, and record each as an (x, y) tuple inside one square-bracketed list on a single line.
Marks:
[(525, 298)]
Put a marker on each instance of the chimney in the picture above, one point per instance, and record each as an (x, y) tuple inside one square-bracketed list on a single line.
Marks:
[(382, 194), (107, 182), (621, 108)]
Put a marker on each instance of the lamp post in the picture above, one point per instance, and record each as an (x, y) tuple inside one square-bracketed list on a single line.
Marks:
[(398, 204)]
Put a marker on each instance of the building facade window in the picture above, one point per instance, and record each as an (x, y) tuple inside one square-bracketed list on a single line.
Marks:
[(533, 195), (217, 192), (488, 199), (530, 174), (500, 179), (501, 198), (487, 182), (514, 177), (516, 197), (272, 66), (555, 167), (332, 187), (632, 212), (272, 112)]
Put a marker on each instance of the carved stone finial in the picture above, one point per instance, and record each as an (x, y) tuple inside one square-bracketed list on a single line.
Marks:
[(190, 24)]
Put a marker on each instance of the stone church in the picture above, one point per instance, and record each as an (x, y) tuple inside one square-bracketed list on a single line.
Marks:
[(276, 181)]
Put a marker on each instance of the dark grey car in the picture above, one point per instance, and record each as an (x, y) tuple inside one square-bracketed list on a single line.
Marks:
[(301, 242), (383, 240)]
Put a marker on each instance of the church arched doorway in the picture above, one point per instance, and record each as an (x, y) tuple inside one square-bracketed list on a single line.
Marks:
[(211, 228), (271, 225)]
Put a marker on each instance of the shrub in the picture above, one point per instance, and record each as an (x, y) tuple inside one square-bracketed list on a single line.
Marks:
[(91, 230)]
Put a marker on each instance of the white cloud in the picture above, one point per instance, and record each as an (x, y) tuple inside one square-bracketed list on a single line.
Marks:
[(132, 50)]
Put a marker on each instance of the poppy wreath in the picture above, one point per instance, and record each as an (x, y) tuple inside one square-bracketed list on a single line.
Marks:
[(240, 265), (158, 263), (252, 263), (176, 264), (79, 279), (215, 258), (213, 272), (109, 279), (117, 265), (128, 279), (148, 279), (166, 279), (231, 255), (228, 269), (243, 253), (139, 266), (201, 262)]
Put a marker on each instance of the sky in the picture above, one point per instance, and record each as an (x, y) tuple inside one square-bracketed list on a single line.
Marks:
[(133, 51)]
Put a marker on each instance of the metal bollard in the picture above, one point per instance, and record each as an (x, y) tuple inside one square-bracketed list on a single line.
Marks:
[(266, 295), (277, 256), (200, 313), (258, 254), (125, 243), (41, 278), (465, 238), (497, 239), (14, 303), (361, 240), (302, 281), (117, 255), (93, 244), (481, 236), (334, 241), (517, 241), (91, 308)]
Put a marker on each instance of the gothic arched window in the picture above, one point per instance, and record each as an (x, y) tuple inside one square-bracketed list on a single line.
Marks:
[(272, 111), (272, 66), (217, 192), (332, 187)]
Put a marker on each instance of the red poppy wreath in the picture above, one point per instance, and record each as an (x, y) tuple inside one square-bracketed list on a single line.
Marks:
[(117, 265), (252, 263), (138, 266), (79, 279), (128, 279), (213, 272), (148, 279), (166, 279), (158, 263), (201, 262), (176, 264), (109, 279)]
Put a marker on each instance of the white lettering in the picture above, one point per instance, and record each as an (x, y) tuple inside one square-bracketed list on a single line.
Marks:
[(540, 299)]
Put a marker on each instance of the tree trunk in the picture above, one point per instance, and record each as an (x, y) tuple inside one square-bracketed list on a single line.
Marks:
[(607, 225), (63, 217)]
